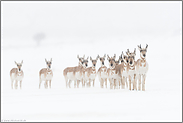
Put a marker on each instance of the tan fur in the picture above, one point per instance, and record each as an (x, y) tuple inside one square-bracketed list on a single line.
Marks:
[(46, 74), (17, 74)]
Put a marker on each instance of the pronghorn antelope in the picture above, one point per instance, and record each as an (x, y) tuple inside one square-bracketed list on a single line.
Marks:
[(102, 72), (85, 65), (124, 62), (16, 74), (79, 71), (46, 74), (142, 67), (112, 72), (90, 73), (69, 73), (132, 69)]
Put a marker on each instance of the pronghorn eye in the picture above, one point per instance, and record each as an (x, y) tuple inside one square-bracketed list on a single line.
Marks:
[(100, 59)]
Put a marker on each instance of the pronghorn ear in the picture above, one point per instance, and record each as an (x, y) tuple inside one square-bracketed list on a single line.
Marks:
[(45, 60), (139, 47), (127, 52), (146, 46), (104, 55), (114, 56), (51, 60), (87, 57), (90, 58), (83, 56), (97, 57), (135, 51), (108, 57), (22, 62), (15, 62), (78, 56)]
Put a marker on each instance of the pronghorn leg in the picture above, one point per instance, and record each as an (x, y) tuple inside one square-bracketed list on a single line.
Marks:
[(83, 83), (130, 83), (66, 82), (143, 82), (106, 83), (45, 84), (114, 83), (11, 84), (16, 84), (123, 83), (126, 82), (135, 81), (139, 83), (102, 83), (21, 84), (78, 83), (111, 84), (93, 82), (70, 83), (50, 83), (119, 82), (74, 83), (39, 83), (89, 84)]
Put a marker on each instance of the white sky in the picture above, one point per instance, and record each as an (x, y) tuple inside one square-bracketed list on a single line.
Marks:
[(22, 20)]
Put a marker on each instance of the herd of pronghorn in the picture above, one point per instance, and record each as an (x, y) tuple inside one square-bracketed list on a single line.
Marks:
[(118, 72)]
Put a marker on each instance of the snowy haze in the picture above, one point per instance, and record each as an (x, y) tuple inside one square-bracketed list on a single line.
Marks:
[(91, 28)]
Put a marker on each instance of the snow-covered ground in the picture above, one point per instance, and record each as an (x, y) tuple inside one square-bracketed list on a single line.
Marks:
[(78, 28), (162, 100)]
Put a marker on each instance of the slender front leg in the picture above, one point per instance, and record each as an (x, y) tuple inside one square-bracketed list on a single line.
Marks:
[(135, 81), (78, 83), (11, 84), (74, 83), (16, 84), (21, 84), (50, 83), (143, 82), (126, 82), (69, 83), (39, 83), (89, 84), (139, 83), (45, 84), (130, 83), (106, 83), (123, 83), (93, 82), (114, 83)]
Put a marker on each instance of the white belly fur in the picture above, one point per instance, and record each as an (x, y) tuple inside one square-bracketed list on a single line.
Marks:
[(78, 76), (70, 76), (143, 70)]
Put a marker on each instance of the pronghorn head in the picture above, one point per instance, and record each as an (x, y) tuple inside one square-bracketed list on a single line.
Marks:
[(124, 58), (48, 63), (111, 60), (94, 61), (19, 65), (143, 51), (80, 59), (102, 59), (131, 56), (85, 62), (117, 61)]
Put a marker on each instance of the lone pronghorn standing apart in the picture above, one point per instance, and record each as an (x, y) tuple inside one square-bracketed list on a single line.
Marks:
[(46, 74), (16, 74), (90, 73), (69, 73), (132, 69), (102, 72), (142, 67)]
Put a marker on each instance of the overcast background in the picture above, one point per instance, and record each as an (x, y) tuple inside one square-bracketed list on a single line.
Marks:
[(33, 31)]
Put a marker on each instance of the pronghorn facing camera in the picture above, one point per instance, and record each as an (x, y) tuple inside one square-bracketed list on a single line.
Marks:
[(16, 74), (102, 72), (85, 65), (46, 74), (142, 66), (124, 62), (90, 73), (69, 73), (132, 69)]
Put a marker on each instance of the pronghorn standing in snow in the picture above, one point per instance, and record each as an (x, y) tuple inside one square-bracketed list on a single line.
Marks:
[(124, 62), (85, 65), (16, 74), (142, 67), (102, 72), (132, 69), (90, 73), (79, 71), (46, 74), (69, 73), (112, 72)]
